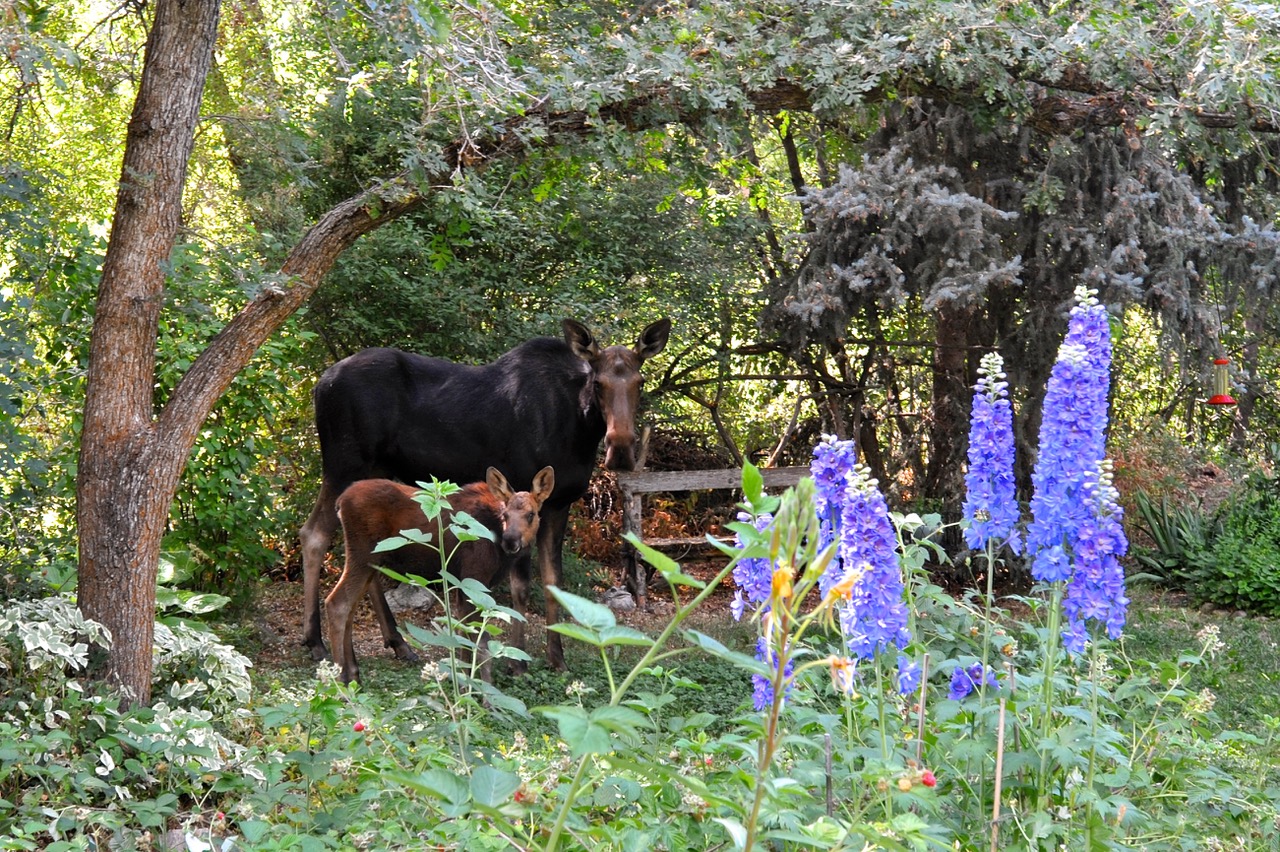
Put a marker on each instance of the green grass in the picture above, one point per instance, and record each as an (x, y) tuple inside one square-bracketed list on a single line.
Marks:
[(1244, 677)]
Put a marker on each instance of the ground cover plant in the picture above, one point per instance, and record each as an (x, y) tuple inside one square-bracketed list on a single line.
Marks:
[(872, 709)]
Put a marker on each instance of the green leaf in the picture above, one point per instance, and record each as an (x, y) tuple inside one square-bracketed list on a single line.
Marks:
[(623, 635), (718, 649), (577, 631), (252, 829), (752, 483), (620, 720), (477, 593), (467, 528), (202, 603), (736, 831), (583, 736), (594, 615), (454, 792), (492, 787)]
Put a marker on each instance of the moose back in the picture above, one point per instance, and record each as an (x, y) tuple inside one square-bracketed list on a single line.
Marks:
[(547, 402)]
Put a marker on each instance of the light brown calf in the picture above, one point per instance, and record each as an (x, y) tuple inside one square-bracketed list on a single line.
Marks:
[(372, 510)]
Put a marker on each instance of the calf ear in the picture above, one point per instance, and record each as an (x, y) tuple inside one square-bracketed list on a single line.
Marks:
[(580, 339), (544, 483), (653, 339), (497, 484)]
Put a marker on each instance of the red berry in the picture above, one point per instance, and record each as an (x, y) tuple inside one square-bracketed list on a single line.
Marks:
[(358, 727), (928, 779)]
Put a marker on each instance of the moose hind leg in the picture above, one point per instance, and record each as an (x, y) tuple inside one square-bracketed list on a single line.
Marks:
[(391, 637), (340, 612), (316, 536)]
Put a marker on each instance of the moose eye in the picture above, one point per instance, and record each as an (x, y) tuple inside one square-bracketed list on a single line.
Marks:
[(529, 518)]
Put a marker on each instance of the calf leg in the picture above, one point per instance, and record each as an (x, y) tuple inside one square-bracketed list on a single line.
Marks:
[(316, 536), (391, 637), (551, 532), (340, 612)]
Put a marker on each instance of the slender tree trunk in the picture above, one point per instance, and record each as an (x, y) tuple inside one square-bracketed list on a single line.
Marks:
[(950, 409)]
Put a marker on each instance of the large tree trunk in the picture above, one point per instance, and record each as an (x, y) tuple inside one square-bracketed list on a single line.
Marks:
[(950, 410), (131, 460), (128, 472)]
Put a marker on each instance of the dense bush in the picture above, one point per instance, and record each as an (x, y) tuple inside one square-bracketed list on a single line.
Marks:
[(1239, 565)]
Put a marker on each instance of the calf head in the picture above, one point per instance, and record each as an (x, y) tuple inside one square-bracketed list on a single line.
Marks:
[(520, 509), (615, 372)]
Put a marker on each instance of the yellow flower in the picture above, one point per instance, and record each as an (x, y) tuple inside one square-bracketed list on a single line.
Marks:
[(782, 577)]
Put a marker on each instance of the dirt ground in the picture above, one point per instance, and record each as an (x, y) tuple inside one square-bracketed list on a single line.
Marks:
[(280, 609)]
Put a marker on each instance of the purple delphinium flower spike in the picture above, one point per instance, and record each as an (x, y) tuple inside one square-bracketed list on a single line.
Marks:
[(753, 577), (1072, 440), (991, 504), (1097, 588), (762, 693), (875, 618), (832, 466)]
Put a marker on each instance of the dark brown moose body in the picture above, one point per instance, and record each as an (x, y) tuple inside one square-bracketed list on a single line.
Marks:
[(547, 402), (373, 510)]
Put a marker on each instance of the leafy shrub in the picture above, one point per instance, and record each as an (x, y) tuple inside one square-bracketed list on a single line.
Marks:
[(66, 742), (1239, 566), (1178, 535)]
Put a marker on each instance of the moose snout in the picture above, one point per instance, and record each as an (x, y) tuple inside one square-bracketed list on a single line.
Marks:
[(619, 452)]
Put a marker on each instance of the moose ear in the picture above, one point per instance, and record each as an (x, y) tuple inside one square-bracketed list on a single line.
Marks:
[(653, 339), (544, 483), (580, 339), (498, 484)]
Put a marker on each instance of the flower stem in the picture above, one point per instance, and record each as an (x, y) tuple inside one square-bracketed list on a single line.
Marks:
[(1050, 659)]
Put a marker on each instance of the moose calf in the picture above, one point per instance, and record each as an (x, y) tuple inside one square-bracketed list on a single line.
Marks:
[(372, 510)]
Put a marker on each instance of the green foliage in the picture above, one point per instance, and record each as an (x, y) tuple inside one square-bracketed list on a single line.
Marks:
[(1178, 534), (65, 741), (1239, 566)]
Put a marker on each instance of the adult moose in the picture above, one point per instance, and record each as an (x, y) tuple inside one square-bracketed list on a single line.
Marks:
[(392, 414)]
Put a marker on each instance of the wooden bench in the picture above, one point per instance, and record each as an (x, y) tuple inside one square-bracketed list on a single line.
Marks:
[(635, 484)]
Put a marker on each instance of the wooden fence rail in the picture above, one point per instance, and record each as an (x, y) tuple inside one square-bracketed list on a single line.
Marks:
[(635, 484)]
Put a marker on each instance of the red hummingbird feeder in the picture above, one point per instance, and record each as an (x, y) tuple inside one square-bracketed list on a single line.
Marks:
[(1221, 383)]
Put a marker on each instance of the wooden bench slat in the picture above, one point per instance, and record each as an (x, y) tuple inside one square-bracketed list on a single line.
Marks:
[(633, 484), (649, 481)]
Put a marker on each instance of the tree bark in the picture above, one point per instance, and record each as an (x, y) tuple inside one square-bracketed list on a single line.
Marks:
[(128, 471), (950, 409)]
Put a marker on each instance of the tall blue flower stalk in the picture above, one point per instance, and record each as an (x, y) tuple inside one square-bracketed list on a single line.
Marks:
[(875, 618), (1096, 591), (1072, 440), (1075, 537), (852, 510), (833, 462), (991, 503), (991, 508)]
